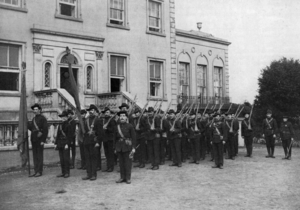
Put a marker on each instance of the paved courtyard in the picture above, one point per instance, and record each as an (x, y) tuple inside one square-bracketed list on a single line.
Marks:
[(245, 183)]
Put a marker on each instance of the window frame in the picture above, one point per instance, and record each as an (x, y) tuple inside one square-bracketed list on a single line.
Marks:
[(77, 11), (161, 31), (89, 90), (50, 75), (188, 77), (162, 81), (204, 76), (21, 7), (125, 24), (16, 70), (126, 81), (221, 83)]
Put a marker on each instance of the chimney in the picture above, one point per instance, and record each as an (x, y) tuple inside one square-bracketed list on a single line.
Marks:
[(199, 25)]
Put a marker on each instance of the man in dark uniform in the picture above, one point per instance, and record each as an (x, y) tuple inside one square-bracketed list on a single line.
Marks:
[(247, 133), (91, 143), (236, 136), (109, 126), (71, 135), (62, 144), (218, 139), (39, 133), (174, 138), (231, 129), (125, 138), (287, 136), (153, 138), (139, 126), (194, 137), (269, 133), (80, 141), (201, 122), (163, 139), (184, 138)]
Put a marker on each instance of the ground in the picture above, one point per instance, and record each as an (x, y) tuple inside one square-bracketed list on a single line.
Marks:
[(245, 183)]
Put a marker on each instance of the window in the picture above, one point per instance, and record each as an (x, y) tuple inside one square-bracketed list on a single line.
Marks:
[(9, 67), (69, 10), (89, 72), (155, 20), (184, 78), (117, 12), (15, 3), (218, 82), (201, 80), (117, 73), (156, 79), (47, 75)]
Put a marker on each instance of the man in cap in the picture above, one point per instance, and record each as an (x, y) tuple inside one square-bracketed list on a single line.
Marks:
[(138, 123), (91, 143), (184, 136), (125, 138), (153, 138), (163, 139), (269, 133), (174, 138), (109, 127), (194, 137), (218, 139), (71, 135), (80, 141), (201, 122), (62, 144), (39, 133), (287, 137), (231, 129), (247, 133)]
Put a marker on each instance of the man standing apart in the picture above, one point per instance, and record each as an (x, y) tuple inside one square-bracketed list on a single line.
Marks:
[(247, 133), (269, 133), (125, 146), (39, 133), (91, 143), (287, 136)]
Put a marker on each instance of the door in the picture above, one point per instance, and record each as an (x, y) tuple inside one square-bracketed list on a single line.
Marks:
[(65, 82)]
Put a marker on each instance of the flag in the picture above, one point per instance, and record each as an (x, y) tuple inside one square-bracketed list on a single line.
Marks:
[(75, 94), (23, 131)]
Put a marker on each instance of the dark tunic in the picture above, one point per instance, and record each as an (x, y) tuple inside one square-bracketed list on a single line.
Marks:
[(129, 141), (42, 127)]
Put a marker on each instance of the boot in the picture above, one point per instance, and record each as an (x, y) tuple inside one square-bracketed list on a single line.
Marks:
[(268, 153)]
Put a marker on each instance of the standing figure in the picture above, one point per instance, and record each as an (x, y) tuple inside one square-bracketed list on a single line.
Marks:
[(269, 133), (71, 135), (218, 139), (194, 137), (80, 141), (125, 138), (247, 133), (39, 133), (109, 126), (231, 129), (174, 136), (91, 143), (287, 137), (62, 144)]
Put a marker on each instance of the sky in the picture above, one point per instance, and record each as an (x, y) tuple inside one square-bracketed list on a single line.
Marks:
[(260, 31)]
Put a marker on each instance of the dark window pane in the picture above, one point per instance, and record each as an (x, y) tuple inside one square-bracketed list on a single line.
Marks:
[(113, 65), (3, 55), (152, 89), (9, 81), (66, 9), (13, 56), (121, 62)]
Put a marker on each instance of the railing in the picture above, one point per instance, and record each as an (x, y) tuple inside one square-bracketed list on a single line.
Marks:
[(113, 100), (9, 133), (55, 98), (202, 100)]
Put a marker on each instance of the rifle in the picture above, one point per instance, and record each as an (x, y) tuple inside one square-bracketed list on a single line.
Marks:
[(196, 127), (138, 123), (152, 125), (106, 124), (155, 104), (237, 110), (187, 112), (229, 108), (249, 126), (177, 117), (133, 105), (221, 105), (161, 122)]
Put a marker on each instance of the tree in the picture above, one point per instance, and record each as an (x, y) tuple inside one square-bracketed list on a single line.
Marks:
[(279, 89)]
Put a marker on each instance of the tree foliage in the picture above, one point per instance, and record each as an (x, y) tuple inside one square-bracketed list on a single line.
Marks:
[(279, 89)]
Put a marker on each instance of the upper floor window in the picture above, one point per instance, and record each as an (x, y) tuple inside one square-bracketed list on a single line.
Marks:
[(9, 67), (68, 7), (201, 80), (15, 3), (156, 79), (155, 16), (218, 82), (118, 71), (89, 75), (117, 12), (184, 78)]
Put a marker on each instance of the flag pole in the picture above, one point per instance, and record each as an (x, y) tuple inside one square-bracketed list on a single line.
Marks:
[(28, 158)]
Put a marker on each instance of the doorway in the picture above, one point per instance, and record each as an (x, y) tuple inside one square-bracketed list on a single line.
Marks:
[(115, 85), (65, 82)]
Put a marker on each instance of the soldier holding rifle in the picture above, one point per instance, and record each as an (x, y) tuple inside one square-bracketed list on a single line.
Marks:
[(269, 133), (247, 133), (287, 137)]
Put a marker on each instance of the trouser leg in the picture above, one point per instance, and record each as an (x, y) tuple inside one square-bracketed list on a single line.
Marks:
[(88, 160), (66, 155), (202, 147), (216, 153), (143, 151), (40, 158), (268, 144), (163, 142), (156, 145), (177, 144), (110, 159), (122, 165), (61, 160), (127, 165), (34, 156), (82, 155), (150, 151), (183, 148)]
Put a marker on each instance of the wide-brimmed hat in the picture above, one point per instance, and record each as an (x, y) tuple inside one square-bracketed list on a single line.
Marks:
[(269, 111), (122, 112), (150, 109), (123, 105), (69, 111), (106, 109), (92, 106), (171, 111), (64, 114), (83, 111), (217, 114), (36, 105), (137, 110)]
